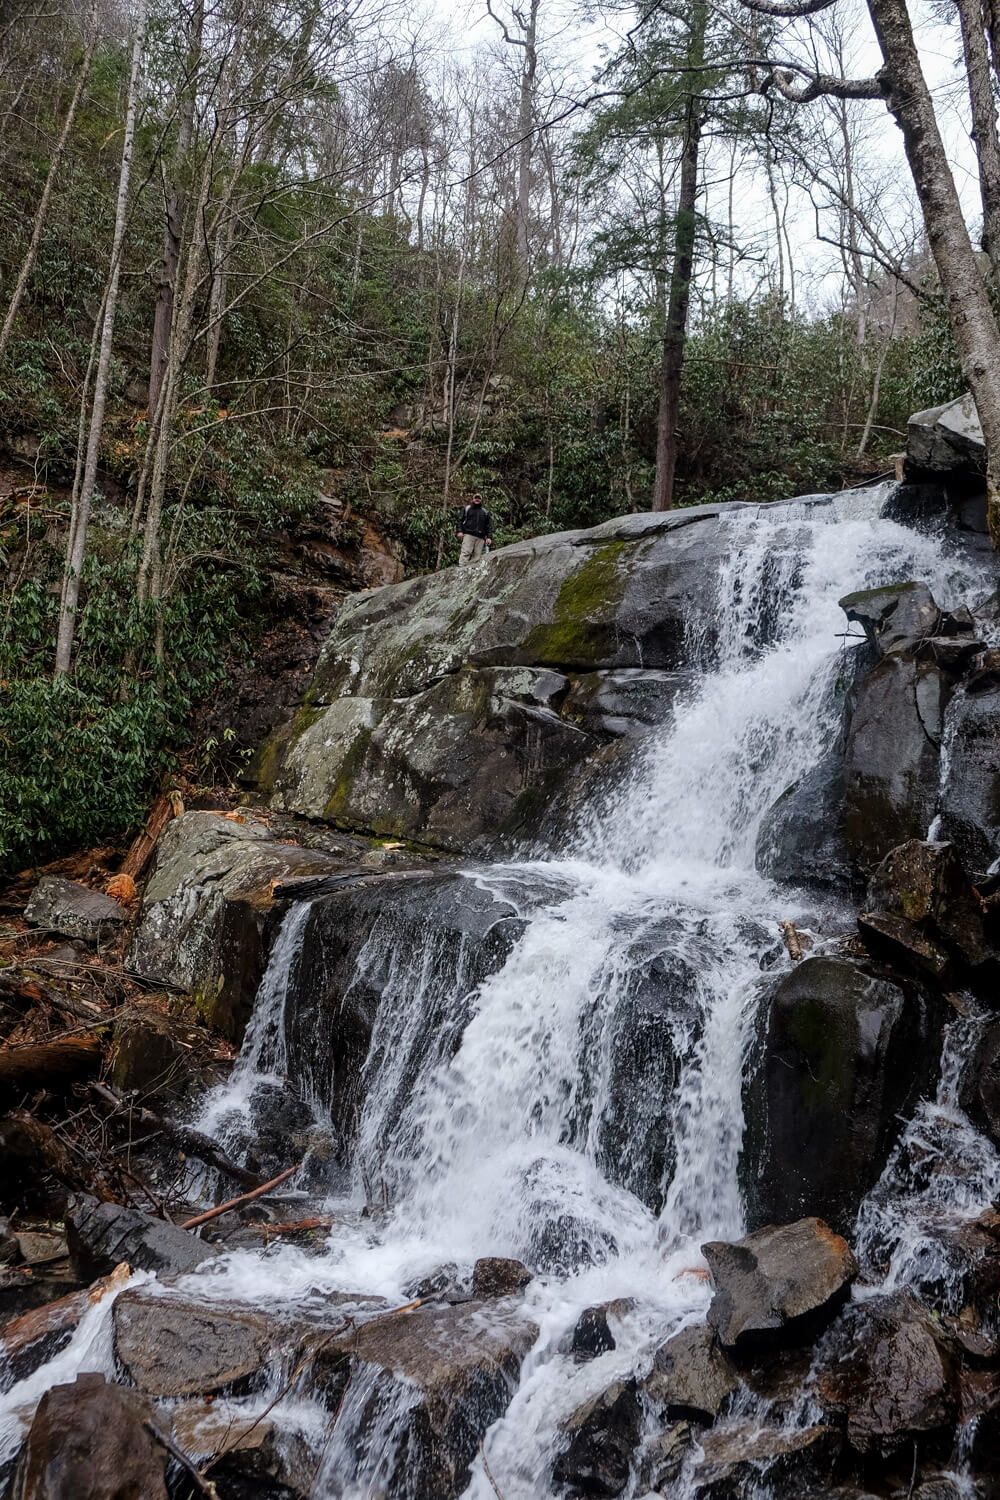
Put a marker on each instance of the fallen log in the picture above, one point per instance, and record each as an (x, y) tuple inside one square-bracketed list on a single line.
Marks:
[(186, 1139), (168, 805), (221, 1208), (31, 1150), (63, 1059), (295, 1226)]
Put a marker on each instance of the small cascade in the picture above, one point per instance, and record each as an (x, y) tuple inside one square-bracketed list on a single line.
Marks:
[(941, 1174), (951, 720), (228, 1113)]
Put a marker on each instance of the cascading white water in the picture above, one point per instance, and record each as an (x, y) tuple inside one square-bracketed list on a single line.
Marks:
[(524, 1128)]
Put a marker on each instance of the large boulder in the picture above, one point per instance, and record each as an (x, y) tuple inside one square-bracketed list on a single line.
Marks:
[(364, 947), (68, 909), (887, 1368), (91, 1441), (980, 1092), (894, 616), (947, 438), (448, 709), (892, 756), (171, 1346), (970, 802), (845, 1054), (924, 885), (777, 1285), (209, 910), (456, 1366)]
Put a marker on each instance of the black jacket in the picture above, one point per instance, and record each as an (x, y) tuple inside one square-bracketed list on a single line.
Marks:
[(474, 520)]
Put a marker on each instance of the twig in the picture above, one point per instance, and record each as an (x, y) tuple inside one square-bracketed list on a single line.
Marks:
[(265, 1187), (489, 1472), (188, 1140), (204, 1486)]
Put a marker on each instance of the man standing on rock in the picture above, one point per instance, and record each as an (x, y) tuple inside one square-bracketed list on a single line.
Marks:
[(475, 528)]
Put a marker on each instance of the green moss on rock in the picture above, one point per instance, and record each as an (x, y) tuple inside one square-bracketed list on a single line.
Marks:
[(582, 629)]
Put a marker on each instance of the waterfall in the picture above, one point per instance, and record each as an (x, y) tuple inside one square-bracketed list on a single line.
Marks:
[(580, 1107)]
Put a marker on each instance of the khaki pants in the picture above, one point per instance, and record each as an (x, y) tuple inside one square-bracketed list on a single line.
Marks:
[(473, 548)]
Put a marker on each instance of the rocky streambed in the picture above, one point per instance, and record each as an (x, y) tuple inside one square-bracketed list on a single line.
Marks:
[(614, 942)]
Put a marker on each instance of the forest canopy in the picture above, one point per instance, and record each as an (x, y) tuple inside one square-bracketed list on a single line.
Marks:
[(257, 253)]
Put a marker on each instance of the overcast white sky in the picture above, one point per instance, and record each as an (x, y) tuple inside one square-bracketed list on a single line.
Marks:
[(578, 39)]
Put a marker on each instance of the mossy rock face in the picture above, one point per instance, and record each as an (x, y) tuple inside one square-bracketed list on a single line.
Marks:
[(845, 1055), (451, 709)]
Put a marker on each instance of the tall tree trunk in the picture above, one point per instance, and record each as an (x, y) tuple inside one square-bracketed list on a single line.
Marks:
[(984, 124), (174, 210), (679, 296), (77, 542), (971, 318), (525, 122), (42, 211)]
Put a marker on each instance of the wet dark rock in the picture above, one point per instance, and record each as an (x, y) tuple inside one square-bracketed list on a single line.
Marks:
[(779, 1284), (981, 1084), (901, 944), (956, 1273), (940, 1487), (278, 1129), (208, 912), (692, 1376), (736, 1460), (169, 1345), (656, 1019), (895, 616), (887, 1368), (592, 1335), (89, 1441), (159, 1058), (249, 1457), (801, 839), (600, 1439), (103, 1235), (73, 910), (663, 1456), (926, 884), (29, 1340), (970, 807), (495, 1276), (442, 1285), (10, 1251), (892, 755), (844, 1057), (357, 943), (460, 1366)]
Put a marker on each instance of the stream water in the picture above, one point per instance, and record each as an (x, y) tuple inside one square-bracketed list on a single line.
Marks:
[(533, 1123)]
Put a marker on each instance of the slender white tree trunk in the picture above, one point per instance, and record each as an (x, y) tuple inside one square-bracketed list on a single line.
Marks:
[(77, 547), (42, 211)]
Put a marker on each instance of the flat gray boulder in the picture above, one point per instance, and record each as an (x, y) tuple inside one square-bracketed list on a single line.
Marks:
[(947, 437), (72, 910)]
